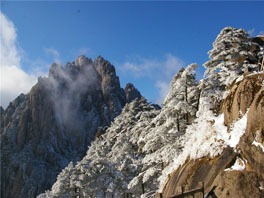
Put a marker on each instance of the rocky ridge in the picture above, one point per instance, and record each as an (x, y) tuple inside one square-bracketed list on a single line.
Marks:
[(41, 132)]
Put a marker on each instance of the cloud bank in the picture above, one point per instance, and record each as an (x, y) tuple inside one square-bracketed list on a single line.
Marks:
[(14, 80), (160, 71)]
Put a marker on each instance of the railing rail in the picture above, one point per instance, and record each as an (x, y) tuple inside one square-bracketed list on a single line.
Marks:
[(191, 192)]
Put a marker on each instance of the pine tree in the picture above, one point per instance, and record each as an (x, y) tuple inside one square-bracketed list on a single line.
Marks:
[(162, 142), (184, 94), (233, 53)]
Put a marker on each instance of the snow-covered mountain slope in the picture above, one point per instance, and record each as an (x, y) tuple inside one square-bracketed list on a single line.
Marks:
[(41, 132), (139, 144), (112, 160), (202, 129), (208, 131)]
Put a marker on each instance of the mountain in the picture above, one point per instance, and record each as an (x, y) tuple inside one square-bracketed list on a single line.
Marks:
[(100, 140), (52, 125), (207, 131)]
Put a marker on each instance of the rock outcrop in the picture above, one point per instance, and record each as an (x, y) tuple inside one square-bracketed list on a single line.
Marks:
[(252, 143), (195, 171), (240, 97), (237, 184), (41, 132), (245, 96), (131, 92)]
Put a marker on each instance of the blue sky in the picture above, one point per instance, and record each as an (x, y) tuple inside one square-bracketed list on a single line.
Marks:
[(147, 41)]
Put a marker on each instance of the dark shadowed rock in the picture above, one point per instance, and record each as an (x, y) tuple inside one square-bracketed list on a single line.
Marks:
[(132, 93), (110, 86), (1, 110)]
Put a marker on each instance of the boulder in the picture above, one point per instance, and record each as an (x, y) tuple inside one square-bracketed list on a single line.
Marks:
[(238, 184), (201, 170), (240, 97)]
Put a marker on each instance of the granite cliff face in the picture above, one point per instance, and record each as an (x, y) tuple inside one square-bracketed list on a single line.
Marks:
[(41, 132)]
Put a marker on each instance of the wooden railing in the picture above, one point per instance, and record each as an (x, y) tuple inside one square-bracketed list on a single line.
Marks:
[(191, 192)]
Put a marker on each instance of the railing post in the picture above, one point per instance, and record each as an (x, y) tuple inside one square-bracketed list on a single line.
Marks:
[(203, 188)]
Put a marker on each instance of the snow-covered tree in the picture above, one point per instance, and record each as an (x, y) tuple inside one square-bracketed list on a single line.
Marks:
[(179, 109), (183, 97), (113, 159), (233, 53), (63, 186), (162, 142)]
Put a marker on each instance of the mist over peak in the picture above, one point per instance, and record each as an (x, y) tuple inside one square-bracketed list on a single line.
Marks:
[(56, 121)]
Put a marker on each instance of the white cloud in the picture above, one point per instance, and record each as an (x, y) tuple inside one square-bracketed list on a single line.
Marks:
[(173, 64), (14, 80), (9, 52), (140, 67), (163, 87), (161, 71), (54, 53)]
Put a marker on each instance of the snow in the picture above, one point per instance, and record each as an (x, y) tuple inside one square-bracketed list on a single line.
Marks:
[(261, 185), (149, 173), (257, 144), (207, 136), (240, 78), (239, 165), (255, 73), (237, 130)]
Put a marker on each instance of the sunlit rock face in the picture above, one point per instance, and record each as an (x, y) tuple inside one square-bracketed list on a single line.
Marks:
[(42, 131)]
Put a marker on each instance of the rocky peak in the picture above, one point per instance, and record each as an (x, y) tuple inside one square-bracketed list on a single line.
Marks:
[(82, 67), (104, 67), (83, 61), (43, 131), (1, 110), (54, 70), (132, 93), (109, 79)]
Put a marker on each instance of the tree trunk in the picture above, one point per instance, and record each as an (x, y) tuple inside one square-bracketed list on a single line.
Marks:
[(178, 122), (198, 100), (143, 188)]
